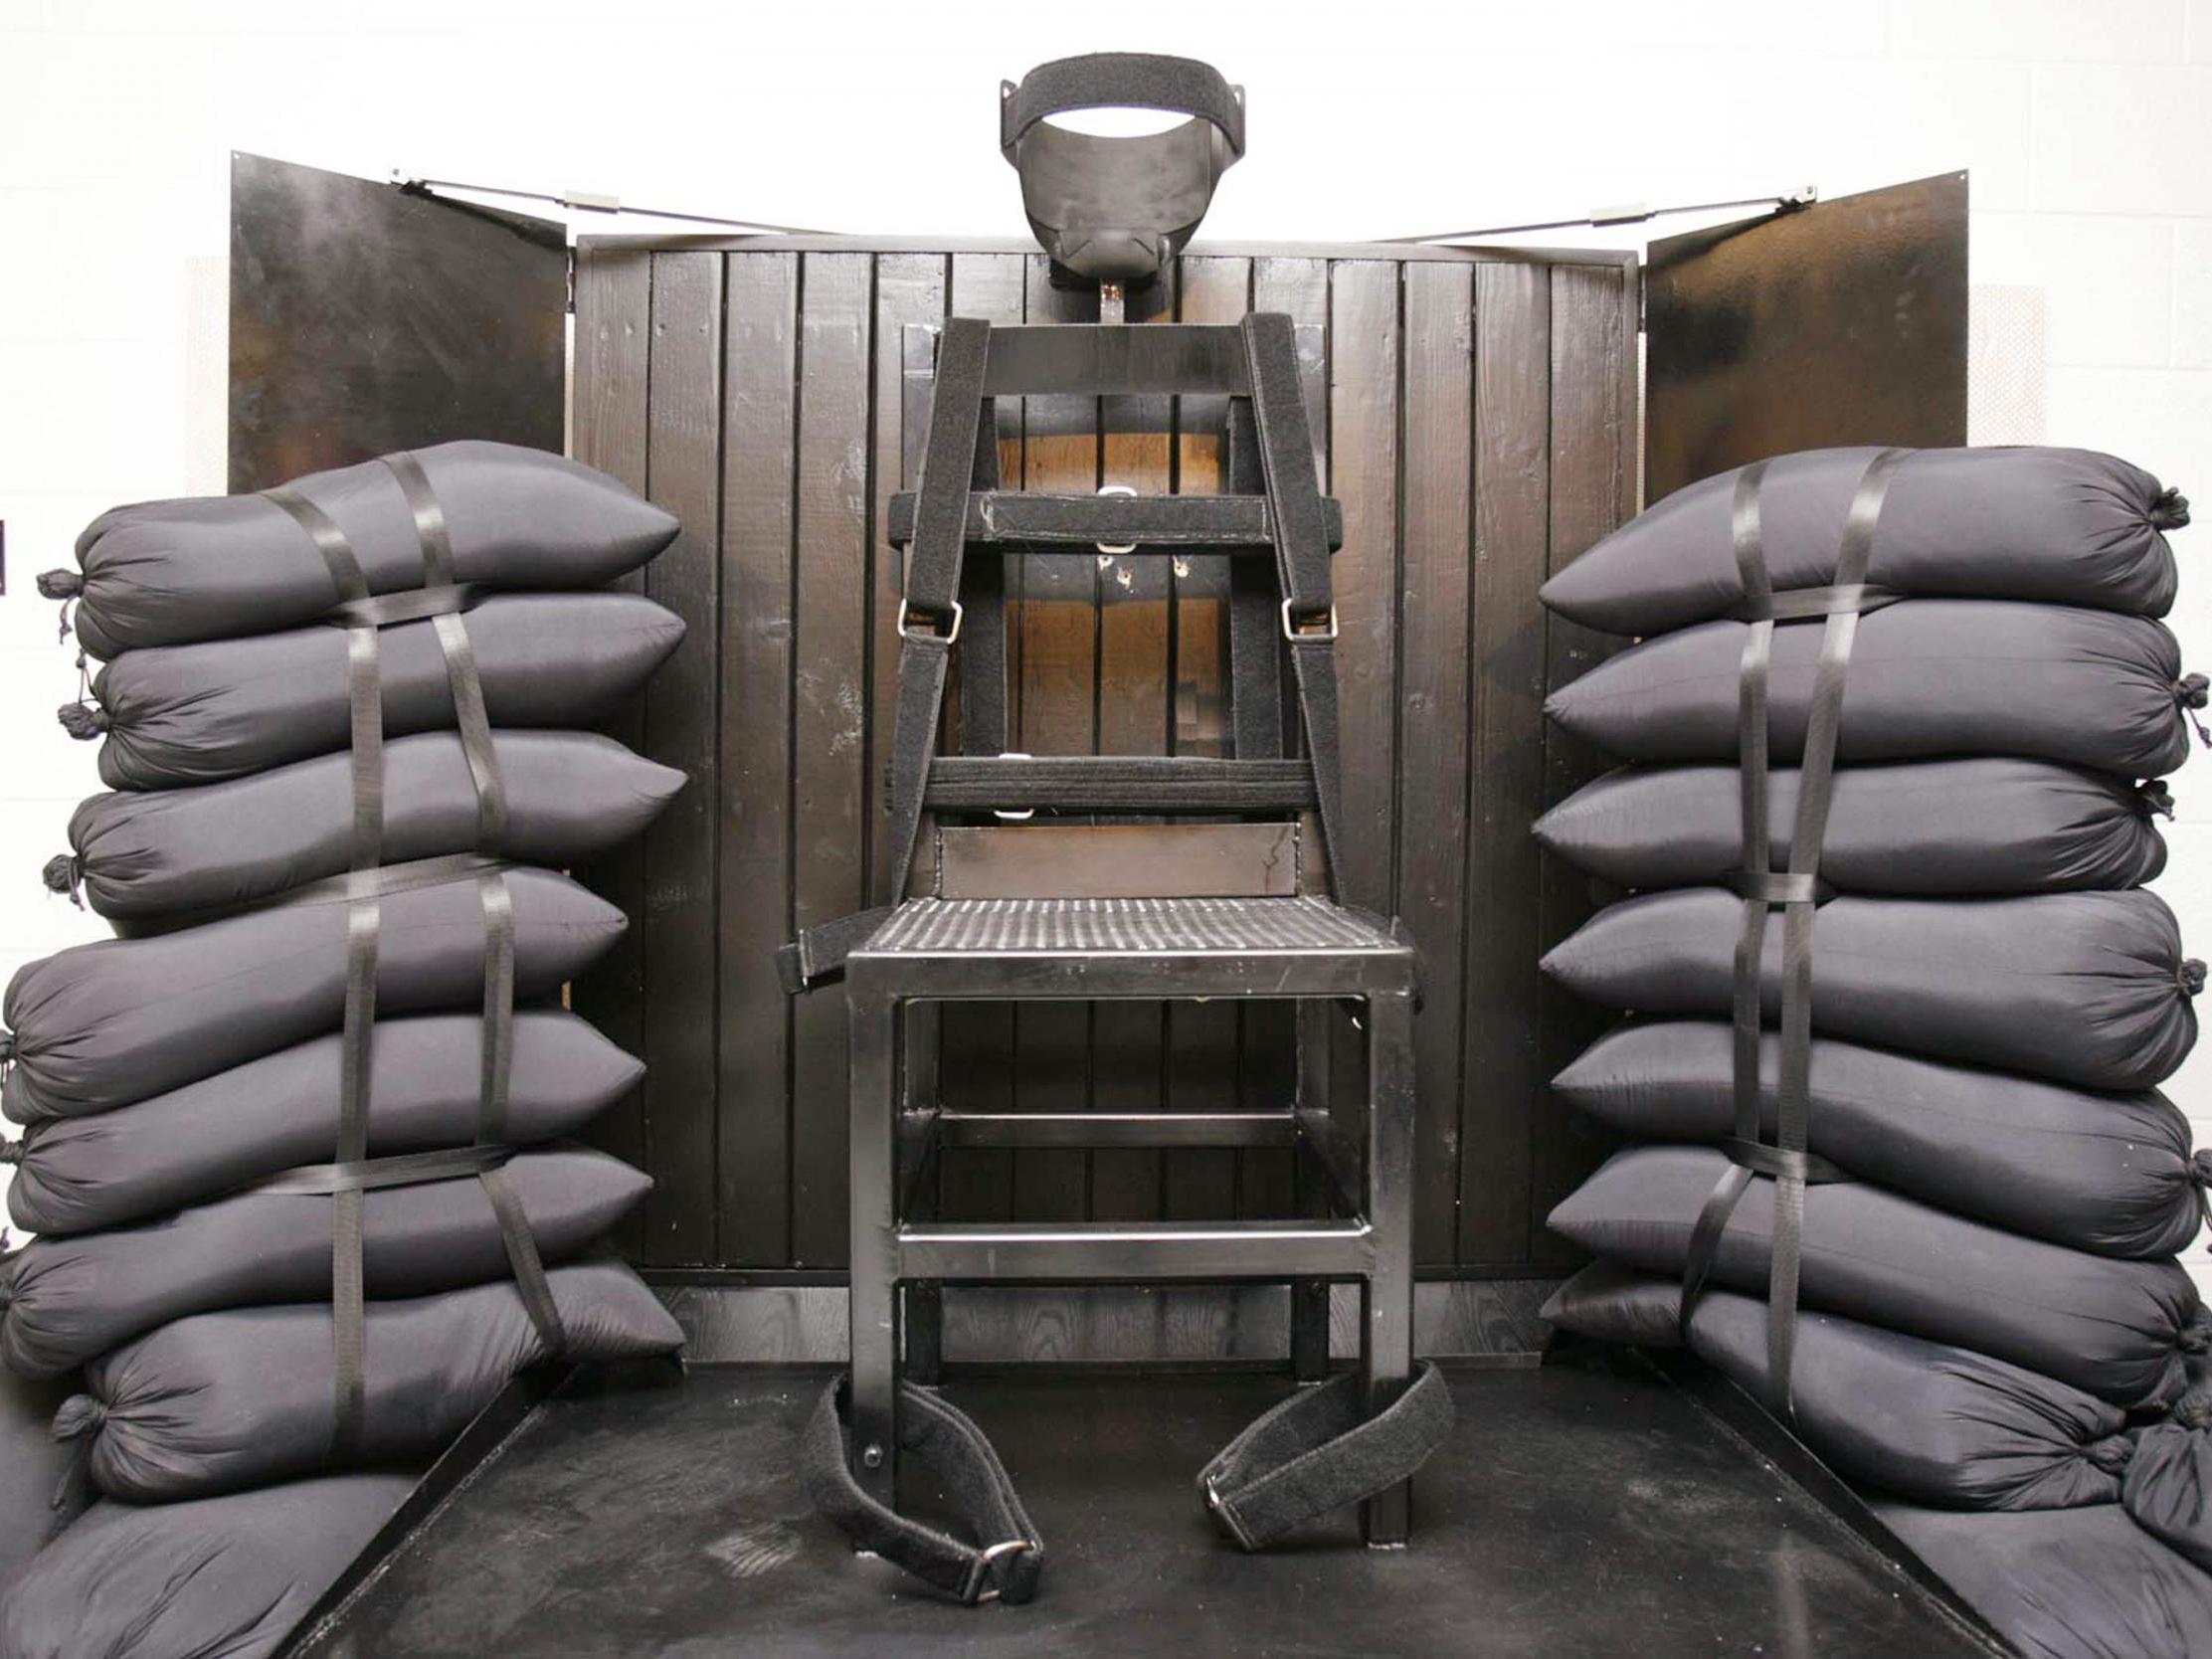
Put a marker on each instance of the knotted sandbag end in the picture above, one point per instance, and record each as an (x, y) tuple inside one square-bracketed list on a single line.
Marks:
[(2190, 976), (2154, 798), (2192, 691), (59, 584), (79, 1415), (63, 874), (2169, 510), (82, 722), (11, 1154)]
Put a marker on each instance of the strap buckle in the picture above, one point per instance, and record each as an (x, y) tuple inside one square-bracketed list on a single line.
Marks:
[(1225, 1512), (1294, 630), (973, 1594), (1019, 814), (1112, 548), (907, 632)]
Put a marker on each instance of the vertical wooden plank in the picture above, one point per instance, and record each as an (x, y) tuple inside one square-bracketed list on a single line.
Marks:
[(1432, 671), (829, 732), (1505, 1082), (613, 326), (1362, 462), (1590, 414), (760, 412), (683, 466), (976, 1046), (910, 288), (1136, 685), (1054, 710), (1267, 1070), (1200, 1038)]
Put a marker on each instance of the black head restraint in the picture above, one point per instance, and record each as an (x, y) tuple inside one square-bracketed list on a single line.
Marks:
[(1116, 210)]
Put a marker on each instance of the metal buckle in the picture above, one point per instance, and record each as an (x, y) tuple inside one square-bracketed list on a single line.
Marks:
[(1293, 631), (1117, 547), (983, 1566), (1021, 815), (908, 633), (1228, 1516)]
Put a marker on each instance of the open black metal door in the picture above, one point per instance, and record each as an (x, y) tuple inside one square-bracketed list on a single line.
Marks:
[(1841, 322), (366, 318)]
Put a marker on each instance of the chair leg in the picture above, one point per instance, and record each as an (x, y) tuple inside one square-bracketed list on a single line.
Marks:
[(1309, 1298), (922, 1304), (1386, 1297), (875, 1170)]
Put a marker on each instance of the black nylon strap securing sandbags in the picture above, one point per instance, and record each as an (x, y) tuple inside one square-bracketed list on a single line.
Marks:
[(156, 856), (242, 1397), (1935, 828), (1925, 1421), (2168, 1489), (2111, 1174), (163, 573), (1929, 679), (75, 1174), (2056, 526), (65, 1300), (196, 714), (226, 1576), (2068, 1583), (104, 1024), (2084, 988), (2115, 1329)]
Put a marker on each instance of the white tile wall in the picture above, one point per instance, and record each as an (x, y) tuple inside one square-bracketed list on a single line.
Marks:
[(2087, 126)]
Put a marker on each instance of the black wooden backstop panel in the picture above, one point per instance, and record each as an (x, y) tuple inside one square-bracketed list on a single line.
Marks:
[(1478, 414)]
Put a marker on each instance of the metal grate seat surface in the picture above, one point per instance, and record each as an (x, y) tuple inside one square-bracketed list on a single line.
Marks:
[(1165, 927)]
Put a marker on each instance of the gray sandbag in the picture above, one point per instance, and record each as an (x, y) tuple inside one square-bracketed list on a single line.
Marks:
[(110, 1169), (67, 1299), (40, 1489), (2067, 1583), (2114, 1329), (2112, 1174), (2169, 1487), (1929, 677), (233, 1398), (224, 1577), (1951, 828), (118, 1020), (1922, 1419), (165, 573), (176, 715), (161, 855), (2058, 526), (2084, 988)]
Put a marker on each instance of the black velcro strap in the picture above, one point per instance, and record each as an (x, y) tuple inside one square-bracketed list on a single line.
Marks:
[(1003, 1566), (1803, 603), (1770, 887), (947, 469), (498, 1069), (1321, 1450), (371, 1174), (1293, 484), (412, 605), (1133, 80), (1118, 784), (1797, 891), (1783, 1164), (817, 955), (328, 539), (521, 1246)]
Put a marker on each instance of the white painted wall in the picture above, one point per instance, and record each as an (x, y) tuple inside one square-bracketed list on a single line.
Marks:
[(2087, 126)]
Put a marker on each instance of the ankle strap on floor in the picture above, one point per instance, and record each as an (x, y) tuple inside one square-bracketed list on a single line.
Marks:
[(1317, 1451), (1004, 1567), (1320, 1450)]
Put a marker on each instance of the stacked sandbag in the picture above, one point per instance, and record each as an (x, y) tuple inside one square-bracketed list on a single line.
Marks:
[(295, 1146), (1896, 1161)]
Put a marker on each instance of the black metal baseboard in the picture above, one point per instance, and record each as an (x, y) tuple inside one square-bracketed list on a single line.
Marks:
[(783, 1321)]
